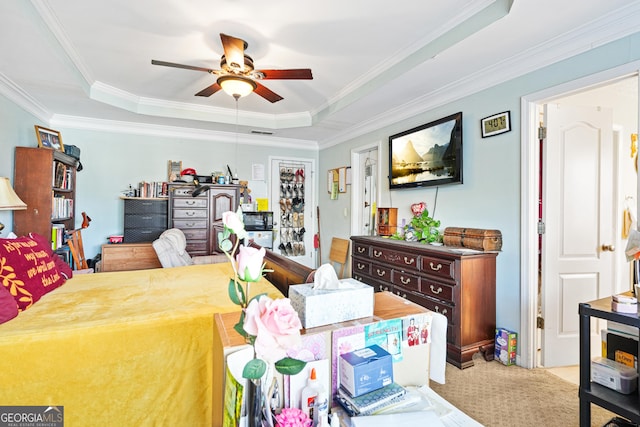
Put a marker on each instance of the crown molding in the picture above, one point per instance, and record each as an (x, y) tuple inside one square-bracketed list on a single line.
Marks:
[(14, 93), (164, 131)]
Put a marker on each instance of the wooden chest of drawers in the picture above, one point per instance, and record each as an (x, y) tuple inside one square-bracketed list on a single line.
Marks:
[(457, 283), (199, 217)]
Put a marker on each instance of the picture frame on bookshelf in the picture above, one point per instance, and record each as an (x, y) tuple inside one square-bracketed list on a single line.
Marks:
[(49, 138)]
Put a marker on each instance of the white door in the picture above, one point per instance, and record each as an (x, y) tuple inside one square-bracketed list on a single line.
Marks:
[(578, 256), (365, 189), (293, 203)]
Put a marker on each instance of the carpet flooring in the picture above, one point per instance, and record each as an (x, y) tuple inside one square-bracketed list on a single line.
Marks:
[(510, 396)]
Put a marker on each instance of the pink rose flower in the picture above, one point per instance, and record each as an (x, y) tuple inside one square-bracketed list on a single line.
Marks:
[(418, 208), (250, 261), (276, 326), (233, 221)]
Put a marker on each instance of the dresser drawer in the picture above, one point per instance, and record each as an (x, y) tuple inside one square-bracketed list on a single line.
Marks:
[(195, 234), (145, 220), (404, 260), (438, 267), (189, 213), (193, 202), (361, 250), (437, 306), (437, 290), (133, 206), (381, 272), (406, 280), (361, 267), (185, 224), (197, 247), (136, 235), (377, 285)]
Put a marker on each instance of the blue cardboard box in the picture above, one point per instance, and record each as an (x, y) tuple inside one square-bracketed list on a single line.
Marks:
[(365, 370)]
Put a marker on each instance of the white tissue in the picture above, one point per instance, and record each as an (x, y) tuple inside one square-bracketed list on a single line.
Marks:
[(326, 278)]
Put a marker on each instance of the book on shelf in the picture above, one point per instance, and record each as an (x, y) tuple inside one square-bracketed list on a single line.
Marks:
[(57, 236), (151, 189), (371, 402)]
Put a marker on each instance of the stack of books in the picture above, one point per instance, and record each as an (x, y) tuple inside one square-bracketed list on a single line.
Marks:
[(372, 402)]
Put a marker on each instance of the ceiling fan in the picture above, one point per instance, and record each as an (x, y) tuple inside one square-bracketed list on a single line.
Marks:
[(237, 75)]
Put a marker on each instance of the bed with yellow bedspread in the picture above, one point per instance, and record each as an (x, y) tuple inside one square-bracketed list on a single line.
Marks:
[(132, 348)]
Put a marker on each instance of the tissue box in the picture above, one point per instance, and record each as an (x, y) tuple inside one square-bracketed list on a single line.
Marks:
[(506, 346), (365, 370), (317, 307)]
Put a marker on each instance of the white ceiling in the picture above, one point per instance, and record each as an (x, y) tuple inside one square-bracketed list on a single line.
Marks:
[(87, 63)]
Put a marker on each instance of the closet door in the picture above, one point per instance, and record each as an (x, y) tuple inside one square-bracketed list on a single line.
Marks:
[(292, 201)]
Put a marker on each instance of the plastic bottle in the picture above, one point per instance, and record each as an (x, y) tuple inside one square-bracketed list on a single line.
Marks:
[(309, 394), (321, 409), (335, 421)]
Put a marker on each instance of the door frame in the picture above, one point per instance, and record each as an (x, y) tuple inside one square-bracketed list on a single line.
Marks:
[(529, 179), (356, 184)]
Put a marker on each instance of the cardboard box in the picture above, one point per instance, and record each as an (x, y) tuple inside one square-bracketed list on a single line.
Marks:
[(365, 370), (318, 307), (506, 346)]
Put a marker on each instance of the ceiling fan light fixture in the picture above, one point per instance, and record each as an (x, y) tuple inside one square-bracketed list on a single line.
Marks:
[(237, 86)]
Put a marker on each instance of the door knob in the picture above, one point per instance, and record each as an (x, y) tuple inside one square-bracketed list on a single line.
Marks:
[(609, 248)]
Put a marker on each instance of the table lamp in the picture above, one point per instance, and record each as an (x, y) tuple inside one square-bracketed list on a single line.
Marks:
[(9, 200)]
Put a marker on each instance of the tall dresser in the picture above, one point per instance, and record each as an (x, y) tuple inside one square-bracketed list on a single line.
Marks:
[(457, 283), (144, 219), (201, 217)]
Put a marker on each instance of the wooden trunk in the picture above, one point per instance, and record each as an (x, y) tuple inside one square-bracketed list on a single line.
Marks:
[(473, 238)]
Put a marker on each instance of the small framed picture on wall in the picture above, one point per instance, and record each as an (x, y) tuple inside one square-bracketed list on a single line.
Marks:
[(49, 138)]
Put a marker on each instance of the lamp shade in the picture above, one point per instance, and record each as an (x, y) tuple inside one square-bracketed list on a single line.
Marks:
[(9, 200), (237, 85)]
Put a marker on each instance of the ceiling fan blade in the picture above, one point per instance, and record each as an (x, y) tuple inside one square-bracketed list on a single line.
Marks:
[(186, 67), (233, 51), (208, 91), (267, 94), (294, 74)]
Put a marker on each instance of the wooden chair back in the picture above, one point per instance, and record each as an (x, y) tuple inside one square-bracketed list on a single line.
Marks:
[(74, 240), (339, 253)]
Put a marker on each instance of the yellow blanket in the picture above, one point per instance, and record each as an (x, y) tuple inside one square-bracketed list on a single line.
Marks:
[(128, 348)]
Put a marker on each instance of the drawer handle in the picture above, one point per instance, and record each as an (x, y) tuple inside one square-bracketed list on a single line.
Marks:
[(361, 250), (360, 266), (146, 217), (435, 291), (383, 288), (377, 254), (403, 295), (190, 224), (380, 273), (435, 268), (409, 261), (190, 202), (405, 281), (443, 312), (190, 213)]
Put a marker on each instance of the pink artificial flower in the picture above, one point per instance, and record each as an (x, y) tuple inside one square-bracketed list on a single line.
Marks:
[(293, 417), (418, 208), (276, 326), (233, 221), (250, 261)]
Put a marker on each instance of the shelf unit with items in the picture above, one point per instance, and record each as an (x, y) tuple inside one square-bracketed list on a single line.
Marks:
[(625, 405), (45, 180)]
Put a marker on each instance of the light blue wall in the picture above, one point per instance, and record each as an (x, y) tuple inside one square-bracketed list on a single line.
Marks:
[(490, 195)]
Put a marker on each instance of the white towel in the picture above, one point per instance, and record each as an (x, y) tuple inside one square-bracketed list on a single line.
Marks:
[(438, 356)]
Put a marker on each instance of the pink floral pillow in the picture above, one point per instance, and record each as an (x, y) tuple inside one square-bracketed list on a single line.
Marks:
[(27, 270), (8, 306)]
